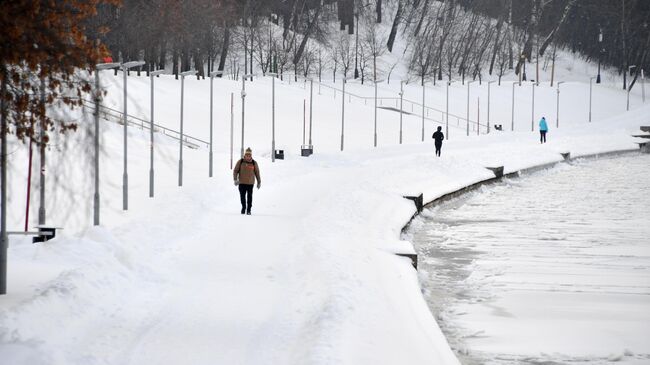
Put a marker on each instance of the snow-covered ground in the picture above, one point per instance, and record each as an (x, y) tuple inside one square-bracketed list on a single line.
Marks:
[(310, 277), (551, 267)]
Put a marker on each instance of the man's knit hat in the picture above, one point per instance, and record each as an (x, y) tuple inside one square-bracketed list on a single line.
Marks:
[(248, 150)]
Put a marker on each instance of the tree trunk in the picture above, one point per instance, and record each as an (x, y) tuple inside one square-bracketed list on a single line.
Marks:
[(224, 49), (310, 29), (378, 10), (549, 38), (393, 29)]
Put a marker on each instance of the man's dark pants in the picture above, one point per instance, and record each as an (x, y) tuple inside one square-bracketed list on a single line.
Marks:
[(438, 147), (243, 190)]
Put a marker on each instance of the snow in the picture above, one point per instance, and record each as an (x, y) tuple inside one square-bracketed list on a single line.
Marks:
[(310, 277)]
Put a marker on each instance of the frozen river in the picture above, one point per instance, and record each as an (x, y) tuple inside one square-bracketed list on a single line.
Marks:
[(552, 268)]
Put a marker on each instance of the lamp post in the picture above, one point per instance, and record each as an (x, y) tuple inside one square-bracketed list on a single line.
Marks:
[(591, 79), (152, 74), (41, 208), (449, 82), (311, 102), (98, 67), (512, 114), (423, 101), (180, 155), (375, 139), (212, 75), (643, 86), (125, 177), (532, 111), (600, 52), (468, 83), (557, 106), (488, 106), (243, 108), (344, 80), (356, 48), (629, 87), (273, 75), (401, 101)]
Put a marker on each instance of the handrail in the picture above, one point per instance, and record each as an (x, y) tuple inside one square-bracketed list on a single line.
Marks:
[(145, 124), (413, 103)]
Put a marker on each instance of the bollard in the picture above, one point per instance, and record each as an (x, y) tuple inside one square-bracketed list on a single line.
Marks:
[(412, 256), (418, 201), (498, 171)]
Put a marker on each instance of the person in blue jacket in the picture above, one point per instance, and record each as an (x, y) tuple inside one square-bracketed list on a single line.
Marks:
[(543, 128)]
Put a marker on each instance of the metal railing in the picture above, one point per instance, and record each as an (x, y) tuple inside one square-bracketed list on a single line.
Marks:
[(117, 116), (415, 107)]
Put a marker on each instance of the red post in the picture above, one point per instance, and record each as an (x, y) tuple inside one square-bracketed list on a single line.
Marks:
[(29, 184)]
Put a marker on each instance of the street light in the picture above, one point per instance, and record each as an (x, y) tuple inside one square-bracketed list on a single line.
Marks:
[(125, 177), (468, 83), (344, 80), (643, 85), (375, 82), (600, 52), (151, 76), (273, 75), (212, 75), (591, 79), (629, 87), (180, 155), (488, 106), (311, 102), (423, 110), (449, 82), (532, 112), (512, 115), (243, 107), (401, 101), (98, 67), (557, 106)]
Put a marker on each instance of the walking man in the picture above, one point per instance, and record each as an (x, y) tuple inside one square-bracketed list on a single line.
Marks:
[(438, 137), (244, 174), (543, 128)]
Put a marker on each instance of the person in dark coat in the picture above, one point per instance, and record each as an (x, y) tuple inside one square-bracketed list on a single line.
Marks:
[(245, 173), (438, 137)]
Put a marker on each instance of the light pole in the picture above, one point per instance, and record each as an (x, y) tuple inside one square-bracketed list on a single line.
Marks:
[(401, 101), (375, 82), (273, 75), (557, 106), (98, 67), (125, 177), (468, 83), (591, 79), (243, 108), (41, 208), (344, 80), (532, 111), (629, 86), (423, 110), (180, 151), (512, 114), (152, 74), (356, 48), (488, 106), (600, 52), (449, 82), (643, 86), (212, 75), (311, 100)]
